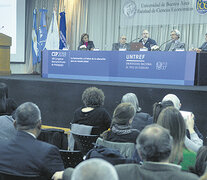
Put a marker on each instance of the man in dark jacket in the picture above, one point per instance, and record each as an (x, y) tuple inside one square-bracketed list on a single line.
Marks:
[(24, 155), (154, 145), (146, 41)]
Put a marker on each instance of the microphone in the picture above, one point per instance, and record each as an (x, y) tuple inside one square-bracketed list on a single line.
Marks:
[(164, 43), (135, 39), (2, 27)]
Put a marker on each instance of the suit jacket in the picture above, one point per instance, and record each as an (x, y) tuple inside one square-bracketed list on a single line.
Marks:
[(89, 47), (177, 45), (150, 42), (153, 171), (117, 46), (203, 47), (24, 155)]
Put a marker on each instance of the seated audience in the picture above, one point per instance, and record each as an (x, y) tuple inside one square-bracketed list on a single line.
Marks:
[(7, 105), (85, 44), (93, 114), (122, 45), (120, 130), (193, 139), (154, 145), (140, 119), (175, 43), (171, 119), (201, 162), (94, 169), (24, 155), (202, 48)]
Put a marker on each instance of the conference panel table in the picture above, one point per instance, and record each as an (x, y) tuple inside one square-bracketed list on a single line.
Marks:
[(156, 67)]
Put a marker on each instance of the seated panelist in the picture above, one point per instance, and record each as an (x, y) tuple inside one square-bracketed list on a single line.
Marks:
[(146, 41), (85, 44), (203, 48), (122, 45), (175, 43)]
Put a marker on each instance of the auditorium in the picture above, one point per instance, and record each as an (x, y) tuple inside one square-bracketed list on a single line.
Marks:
[(103, 89)]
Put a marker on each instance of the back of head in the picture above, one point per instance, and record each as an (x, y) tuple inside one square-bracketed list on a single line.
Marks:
[(171, 119), (201, 161), (174, 99), (154, 143), (123, 113), (93, 97), (94, 169), (27, 116), (131, 98), (158, 107)]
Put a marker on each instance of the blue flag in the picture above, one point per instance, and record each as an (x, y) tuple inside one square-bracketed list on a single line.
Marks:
[(63, 43), (34, 38), (42, 34)]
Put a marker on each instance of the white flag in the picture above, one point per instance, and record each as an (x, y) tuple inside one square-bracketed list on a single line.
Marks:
[(53, 39)]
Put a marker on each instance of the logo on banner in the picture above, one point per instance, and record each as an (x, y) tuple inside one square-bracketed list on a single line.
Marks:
[(130, 8), (58, 54), (201, 6), (161, 65)]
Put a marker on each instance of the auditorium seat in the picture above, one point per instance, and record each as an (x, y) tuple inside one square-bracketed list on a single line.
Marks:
[(4, 176), (71, 158), (125, 149), (56, 137), (84, 142)]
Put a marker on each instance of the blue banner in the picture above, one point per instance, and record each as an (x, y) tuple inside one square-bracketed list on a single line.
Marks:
[(42, 34), (63, 43), (176, 68), (34, 38)]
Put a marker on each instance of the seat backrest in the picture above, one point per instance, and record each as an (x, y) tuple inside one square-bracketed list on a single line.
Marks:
[(125, 149), (71, 158), (4, 176), (56, 137), (84, 142), (78, 129)]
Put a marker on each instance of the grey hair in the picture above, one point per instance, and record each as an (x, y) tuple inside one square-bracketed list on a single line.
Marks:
[(94, 169), (174, 99), (131, 98), (154, 143), (177, 32), (27, 116)]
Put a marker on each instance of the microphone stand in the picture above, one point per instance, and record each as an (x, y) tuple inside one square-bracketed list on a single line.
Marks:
[(164, 44)]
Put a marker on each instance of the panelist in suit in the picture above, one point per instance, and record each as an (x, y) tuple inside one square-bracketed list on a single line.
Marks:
[(202, 48), (85, 44), (121, 45), (24, 155), (146, 41), (175, 43)]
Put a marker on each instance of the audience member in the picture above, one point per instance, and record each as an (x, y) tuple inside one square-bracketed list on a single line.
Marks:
[(122, 45), (24, 155), (94, 169), (193, 139), (92, 113), (120, 130), (175, 43), (171, 119), (158, 107), (85, 44), (140, 119), (201, 162), (154, 145)]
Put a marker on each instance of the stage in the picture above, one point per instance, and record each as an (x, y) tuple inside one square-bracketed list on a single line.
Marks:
[(58, 98)]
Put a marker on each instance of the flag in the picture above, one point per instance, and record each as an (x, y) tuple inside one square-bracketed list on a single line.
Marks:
[(63, 43), (53, 39), (34, 38), (42, 34)]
